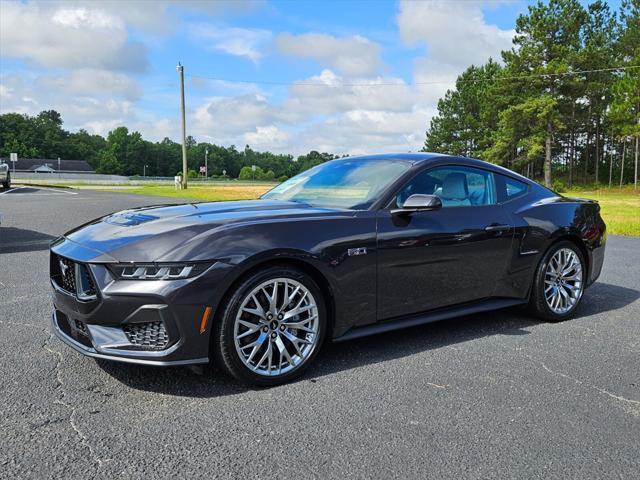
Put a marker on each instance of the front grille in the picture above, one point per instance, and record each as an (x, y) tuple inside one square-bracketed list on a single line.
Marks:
[(66, 274), (149, 335)]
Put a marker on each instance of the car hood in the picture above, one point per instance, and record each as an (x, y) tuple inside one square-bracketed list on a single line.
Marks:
[(152, 233)]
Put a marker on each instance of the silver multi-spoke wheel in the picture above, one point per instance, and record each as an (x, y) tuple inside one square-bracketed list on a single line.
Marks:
[(563, 283), (277, 327)]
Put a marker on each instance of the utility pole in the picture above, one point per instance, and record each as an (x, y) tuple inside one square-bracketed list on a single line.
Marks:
[(635, 172), (144, 170), (180, 69), (206, 165)]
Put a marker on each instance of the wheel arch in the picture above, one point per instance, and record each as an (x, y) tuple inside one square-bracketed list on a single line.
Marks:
[(578, 242), (537, 303), (251, 266)]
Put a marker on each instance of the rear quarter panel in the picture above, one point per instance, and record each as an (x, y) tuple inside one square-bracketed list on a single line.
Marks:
[(542, 220)]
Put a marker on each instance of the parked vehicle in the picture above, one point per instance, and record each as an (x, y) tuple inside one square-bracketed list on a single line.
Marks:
[(353, 247), (5, 175)]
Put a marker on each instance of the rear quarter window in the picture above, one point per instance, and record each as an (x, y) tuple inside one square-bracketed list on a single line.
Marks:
[(509, 188)]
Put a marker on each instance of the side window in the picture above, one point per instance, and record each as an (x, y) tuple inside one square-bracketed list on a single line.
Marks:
[(509, 188), (456, 186)]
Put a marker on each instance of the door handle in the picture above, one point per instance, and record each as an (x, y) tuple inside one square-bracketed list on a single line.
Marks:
[(497, 228)]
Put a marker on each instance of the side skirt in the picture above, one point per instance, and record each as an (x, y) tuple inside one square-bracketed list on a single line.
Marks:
[(435, 316)]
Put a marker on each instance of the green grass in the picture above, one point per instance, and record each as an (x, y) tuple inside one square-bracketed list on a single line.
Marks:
[(620, 208), (214, 193)]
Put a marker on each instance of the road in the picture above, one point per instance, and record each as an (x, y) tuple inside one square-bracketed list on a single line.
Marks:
[(498, 395)]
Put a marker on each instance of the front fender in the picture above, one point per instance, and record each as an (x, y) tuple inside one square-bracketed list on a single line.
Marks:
[(321, 244)]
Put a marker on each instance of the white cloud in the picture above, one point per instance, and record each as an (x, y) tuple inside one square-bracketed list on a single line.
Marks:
[(329, 93), (354, 55), (91, 81), (319, 113), (162, 128), (5, 92), (222, 116), (433, 79), (455, 33), (95, 110), (241, 42), (158, 16), (68, 37), (213, 87), (267, 138), (364, 131), (82, 18)]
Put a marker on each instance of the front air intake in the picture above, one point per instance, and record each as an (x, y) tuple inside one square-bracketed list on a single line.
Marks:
[(148, 335)]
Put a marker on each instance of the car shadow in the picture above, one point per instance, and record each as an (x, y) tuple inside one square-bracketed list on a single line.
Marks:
[(14, 240), (604, 297), (336, 357)]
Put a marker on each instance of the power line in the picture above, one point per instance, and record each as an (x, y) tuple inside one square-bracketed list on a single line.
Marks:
[(402, 84)]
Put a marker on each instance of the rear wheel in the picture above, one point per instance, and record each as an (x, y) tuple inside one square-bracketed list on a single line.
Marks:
[(7, 183), (272, 327), (559, 282)]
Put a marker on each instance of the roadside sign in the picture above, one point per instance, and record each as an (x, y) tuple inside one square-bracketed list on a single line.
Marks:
[(253, 168), (203, 169), (13, 157)]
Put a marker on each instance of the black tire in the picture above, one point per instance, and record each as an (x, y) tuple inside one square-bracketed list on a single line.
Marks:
[(223, 340), (7, 184), (538, 305)]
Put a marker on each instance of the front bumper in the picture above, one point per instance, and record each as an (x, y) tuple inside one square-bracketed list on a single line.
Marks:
[(57, 328), (149, 322)]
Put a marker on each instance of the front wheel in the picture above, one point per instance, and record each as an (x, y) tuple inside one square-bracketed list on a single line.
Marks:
[(272, 327), (559, 282), (7, 182)]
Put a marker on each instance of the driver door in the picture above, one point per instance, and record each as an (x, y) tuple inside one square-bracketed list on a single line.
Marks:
[(433, 259)]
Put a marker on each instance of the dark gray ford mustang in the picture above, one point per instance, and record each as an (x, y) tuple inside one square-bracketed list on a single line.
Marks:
[(352, 247)]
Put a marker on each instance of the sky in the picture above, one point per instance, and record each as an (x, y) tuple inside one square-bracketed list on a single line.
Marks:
[(345, 77)]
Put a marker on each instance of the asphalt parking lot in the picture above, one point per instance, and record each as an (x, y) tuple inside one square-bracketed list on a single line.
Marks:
[(498, 395)]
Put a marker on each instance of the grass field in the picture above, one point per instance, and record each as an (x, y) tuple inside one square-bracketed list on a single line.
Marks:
[(620, 207), (212, 193)]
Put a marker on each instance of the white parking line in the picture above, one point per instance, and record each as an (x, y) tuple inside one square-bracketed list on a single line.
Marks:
[(11, 190), (57, 190), (45, 191)]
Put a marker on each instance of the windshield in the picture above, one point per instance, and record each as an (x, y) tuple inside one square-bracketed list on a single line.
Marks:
[(345, 183)]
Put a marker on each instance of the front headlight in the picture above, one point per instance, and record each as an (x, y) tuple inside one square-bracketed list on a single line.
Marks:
[(157, 271)]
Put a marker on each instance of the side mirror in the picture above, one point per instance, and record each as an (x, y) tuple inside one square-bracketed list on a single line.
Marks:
[(418, 203)]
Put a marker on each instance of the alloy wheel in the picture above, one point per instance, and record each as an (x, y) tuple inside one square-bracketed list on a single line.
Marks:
[(276, 328), (563, 282)]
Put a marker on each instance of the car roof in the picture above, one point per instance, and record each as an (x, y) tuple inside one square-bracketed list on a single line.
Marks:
[(421, 158), (417, 157)]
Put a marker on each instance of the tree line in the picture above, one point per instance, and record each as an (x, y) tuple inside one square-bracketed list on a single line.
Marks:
[(126, 153), (559, 103)]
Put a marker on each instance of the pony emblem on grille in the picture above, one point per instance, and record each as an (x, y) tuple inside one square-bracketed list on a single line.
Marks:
[(63, 268)]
